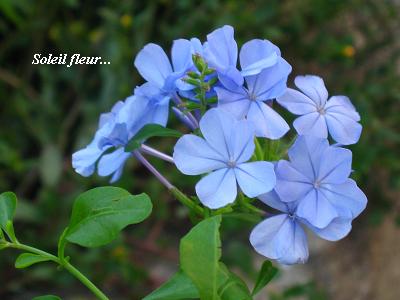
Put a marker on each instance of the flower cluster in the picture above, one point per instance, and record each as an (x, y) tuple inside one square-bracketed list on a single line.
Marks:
[(229, 111)]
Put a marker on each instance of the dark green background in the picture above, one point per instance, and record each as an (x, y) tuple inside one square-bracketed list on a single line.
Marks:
[(49, 111)]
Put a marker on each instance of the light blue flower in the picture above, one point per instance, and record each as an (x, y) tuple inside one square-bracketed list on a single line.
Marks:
[(115, 130), (154, 66), (221, 51), (262, 85), (227, 146), (282, 237), (318, 115), (317, 177)]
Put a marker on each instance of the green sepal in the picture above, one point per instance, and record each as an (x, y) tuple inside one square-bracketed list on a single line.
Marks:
[(148, 131)]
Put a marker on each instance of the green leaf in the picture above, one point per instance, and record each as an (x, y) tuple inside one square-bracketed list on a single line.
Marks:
[(100, 214), (199, 256), (148, 131), (8, 203), (25, 260), (267, 272), (47, 297), (231, 286), (180, 286)]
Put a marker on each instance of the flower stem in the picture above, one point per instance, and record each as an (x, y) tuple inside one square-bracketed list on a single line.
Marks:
[(64, 263), (153, 152)]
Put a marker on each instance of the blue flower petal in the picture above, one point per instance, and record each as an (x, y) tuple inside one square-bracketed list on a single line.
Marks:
[(111, 162), (334, 231), (217, 189), (153, 64), (272, 199), (314, 87), (242, 141), (216, 127), (271, 82), (280, 238), (342, 128), (193, 156), (84, 160), (296, 102), (335, 167), (181, 55), (311, 124), (305, 155), (342, 105), (291, 184), (235, 102), (256, 55), (316, 209), (267, 122), (347, 197), (255, 178)]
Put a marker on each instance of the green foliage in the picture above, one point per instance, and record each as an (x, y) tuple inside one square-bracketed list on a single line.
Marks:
[(100, 214), (47, 297), (179, 286), (267, 272), (25, 260), (8, 203), (148, 131), (200, 252)]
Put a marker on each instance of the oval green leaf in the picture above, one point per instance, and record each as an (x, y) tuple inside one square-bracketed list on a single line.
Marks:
[(25, 260), (8, 204), (178, 287), (200, 251), (100, 214)]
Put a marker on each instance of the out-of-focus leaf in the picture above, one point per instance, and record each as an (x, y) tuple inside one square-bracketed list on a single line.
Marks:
[(100, 214), (50, 165)]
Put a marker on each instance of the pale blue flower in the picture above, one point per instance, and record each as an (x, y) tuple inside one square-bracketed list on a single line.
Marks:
[(262, 84), (282, 237), (318, 115), (223, 153), (317, 177), (115, 130), (221, 52)]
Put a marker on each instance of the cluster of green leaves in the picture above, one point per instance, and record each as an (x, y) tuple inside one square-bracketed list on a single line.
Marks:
[(202, 274), (98, 215)]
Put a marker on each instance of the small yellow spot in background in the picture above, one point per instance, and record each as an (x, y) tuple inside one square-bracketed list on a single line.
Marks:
[(126, 20), (119, 252), (348, 51)]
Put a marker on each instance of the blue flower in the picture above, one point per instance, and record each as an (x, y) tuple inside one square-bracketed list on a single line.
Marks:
[(221, 51), (262, 85), (115, 129), (317, 177), (318, 115), (227, 146), (282, 237)]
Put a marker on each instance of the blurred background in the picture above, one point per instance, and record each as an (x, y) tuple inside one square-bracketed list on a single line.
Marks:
[(49, 111)]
